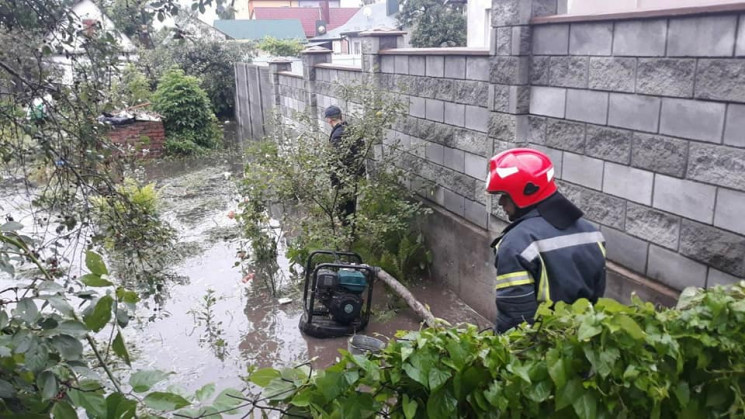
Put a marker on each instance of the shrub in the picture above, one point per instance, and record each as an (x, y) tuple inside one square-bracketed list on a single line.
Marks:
[(433, 23), (132, 88), (186, 112), (578, 361), (281, 47)]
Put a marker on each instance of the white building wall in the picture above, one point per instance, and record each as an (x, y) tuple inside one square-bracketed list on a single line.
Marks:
[(478, 16)]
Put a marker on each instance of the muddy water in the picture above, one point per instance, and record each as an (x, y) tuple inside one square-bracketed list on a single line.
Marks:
[(247, 325)]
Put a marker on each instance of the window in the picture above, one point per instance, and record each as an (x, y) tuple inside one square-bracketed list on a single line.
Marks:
[(357, 48)]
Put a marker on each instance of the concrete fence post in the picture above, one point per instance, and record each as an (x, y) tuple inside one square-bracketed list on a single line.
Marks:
[(375, 41), (312, 56)]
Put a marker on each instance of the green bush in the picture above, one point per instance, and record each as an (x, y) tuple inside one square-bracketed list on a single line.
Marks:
[(578, 361), (186, 112), (281, 47), (132, 88)]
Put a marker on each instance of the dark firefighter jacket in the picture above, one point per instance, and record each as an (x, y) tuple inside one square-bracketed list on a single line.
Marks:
[(350, 158), (537, 262)]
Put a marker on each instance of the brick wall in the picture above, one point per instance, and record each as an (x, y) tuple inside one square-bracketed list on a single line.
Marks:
[(141, 135), (647, 118)]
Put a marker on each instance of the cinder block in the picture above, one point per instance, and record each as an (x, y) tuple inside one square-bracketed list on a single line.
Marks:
[(625, 250), (476, 213), (435, 66), (475, 166), (719, 278), (734, 131), (713, 246), (565, 135), (717, 165), (539, 70), (644, 38), (417, 107), (417, 65), (434, 153), (550, 39), (720, 79), (434, 109), (518, 100), (608, 144), (634, 112), (666, 76), (455, 67), (401, 64), (477, 118), (626, 182), (674, 270), (707, 36), (693, 119), (387, 64), (548, 101), (659, 154), (587, 106), (568, 71), (613, 73), (583, 170), (521, 40), (684, 197), (477, 68), (729, 210), (591, 38), (654, 226), (455, 203), (455, 114), (454, 159), (504, 41)]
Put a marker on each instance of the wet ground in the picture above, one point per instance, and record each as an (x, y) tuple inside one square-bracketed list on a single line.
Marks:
[(243, 325)]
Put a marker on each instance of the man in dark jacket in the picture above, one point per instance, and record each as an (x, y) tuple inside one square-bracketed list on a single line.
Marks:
[(548, 253), (349, 167)]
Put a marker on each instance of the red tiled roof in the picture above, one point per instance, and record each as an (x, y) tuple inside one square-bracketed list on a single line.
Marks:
[(306, 15)]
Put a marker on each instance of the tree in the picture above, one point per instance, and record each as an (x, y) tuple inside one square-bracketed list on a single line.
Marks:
[(433, 23), (129, 17), (281, 47), (210, 60)]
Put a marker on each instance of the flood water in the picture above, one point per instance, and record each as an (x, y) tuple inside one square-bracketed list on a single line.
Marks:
[(208, 326)]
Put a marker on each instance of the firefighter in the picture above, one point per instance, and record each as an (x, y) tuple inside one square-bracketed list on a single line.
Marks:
[(548, 252)]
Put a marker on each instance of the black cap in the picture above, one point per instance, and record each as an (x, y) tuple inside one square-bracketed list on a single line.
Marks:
[(332, 112)]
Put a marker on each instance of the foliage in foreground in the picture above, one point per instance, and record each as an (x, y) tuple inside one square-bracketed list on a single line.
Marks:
[(190, 125), (606, 361)]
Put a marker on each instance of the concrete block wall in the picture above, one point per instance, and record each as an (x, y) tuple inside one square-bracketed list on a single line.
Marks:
[(647, 117), (292, 94), (447, 126)]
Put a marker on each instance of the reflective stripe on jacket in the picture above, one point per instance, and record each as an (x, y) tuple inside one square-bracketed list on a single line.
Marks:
[(536, 262)]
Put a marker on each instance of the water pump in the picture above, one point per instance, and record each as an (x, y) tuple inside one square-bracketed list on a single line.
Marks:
[(337, 295)]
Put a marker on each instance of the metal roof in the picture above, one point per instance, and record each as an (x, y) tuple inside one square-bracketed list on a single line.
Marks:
[(376, 18), (259, 29)]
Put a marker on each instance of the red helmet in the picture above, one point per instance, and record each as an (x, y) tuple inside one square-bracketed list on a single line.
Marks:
[(526, 175)]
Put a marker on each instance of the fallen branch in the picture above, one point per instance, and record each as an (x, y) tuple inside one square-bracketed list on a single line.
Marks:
[(404, 293)]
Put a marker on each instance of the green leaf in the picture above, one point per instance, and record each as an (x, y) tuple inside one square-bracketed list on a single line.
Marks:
[(588, 330), (540, 392), (63, 410), (26, 309), (7, 390), (416, 374), (228, 399), (164, 401), (60, 304), (205, 392), (406, 351), (92, 401), (441, 404), (437, 378), (94, 262), (142, 381), (69, 347), (586, 406), (629, 326), (556, 367), (47, 383), (93, 280), (264, 376), (11, 226), (72, 328), (410, 407), (568, 394), (119, 407), (126, 295), (683, 393), (100, 315), (120, 349)]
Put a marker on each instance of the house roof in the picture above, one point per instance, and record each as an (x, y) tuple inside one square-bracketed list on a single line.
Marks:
[(258, 29), (307, 16), (377, 18)]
